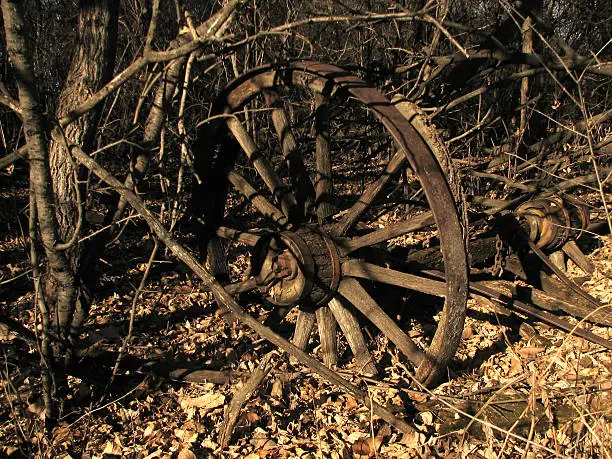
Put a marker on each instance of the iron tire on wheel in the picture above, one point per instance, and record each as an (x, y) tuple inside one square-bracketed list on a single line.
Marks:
[(308, 244)]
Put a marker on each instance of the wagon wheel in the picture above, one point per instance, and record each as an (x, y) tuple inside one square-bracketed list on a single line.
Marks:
[(281, 193)]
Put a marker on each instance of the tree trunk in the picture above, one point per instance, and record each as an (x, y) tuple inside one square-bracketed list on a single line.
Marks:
[(55, 201), (91, 67), (60, 275)]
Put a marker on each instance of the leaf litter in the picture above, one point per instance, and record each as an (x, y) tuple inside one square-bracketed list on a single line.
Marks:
[(507, 394)]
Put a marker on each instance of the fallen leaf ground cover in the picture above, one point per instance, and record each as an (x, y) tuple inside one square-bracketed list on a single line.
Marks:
[(517, 388)]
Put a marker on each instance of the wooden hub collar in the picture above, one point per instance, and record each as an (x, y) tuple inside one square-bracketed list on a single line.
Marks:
[(298, 267)]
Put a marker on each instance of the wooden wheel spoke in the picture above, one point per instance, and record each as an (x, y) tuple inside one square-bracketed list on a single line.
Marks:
[(364, 270), (323, 168), (258, 201), (352, 331), (303, 328), (304, 190), (242, 286), (279, 190), (327, 333), (363, 127), (356, 294), (237, 235), (417, 223), (349, 219)]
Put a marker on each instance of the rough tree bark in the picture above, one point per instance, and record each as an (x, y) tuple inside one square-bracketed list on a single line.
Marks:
[(91, 67), (55, 200), (41, 204)]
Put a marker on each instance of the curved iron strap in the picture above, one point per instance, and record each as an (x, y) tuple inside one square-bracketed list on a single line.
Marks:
[(328, 79)]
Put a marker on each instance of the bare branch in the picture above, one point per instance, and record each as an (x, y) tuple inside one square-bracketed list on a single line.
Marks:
[(7, 99), (207, 32), (224, 297), (9, 159)]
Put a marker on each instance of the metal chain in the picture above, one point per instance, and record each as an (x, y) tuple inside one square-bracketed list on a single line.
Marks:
[(498, 265)]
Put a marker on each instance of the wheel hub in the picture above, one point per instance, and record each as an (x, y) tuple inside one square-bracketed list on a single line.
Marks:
[(301, 266)]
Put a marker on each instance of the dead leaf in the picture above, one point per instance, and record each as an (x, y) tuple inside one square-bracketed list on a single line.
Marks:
[(5, 333), (114, 447), (468, 332), (208, 443), (37, 408), (263, 443), (186, 436), (530, 352), (186, 453), (206, 402), (151, 429), (247, 419), (367, 446), (418, 397), (9, 450), (426, 418), (61, 434), (277, 389), (383, 432), (527, 331), (586, 361), (354, 436), (363, 448), (515, 366), (413, 439), (154, 454), (350, 404)]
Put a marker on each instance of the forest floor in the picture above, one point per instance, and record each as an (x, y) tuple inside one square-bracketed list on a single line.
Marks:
[(511, 391)]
